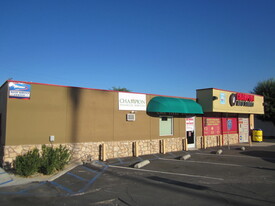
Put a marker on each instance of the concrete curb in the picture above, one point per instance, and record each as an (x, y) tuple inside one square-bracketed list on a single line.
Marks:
[(12, 180), (67, 169), (142, 164), (185, 157)]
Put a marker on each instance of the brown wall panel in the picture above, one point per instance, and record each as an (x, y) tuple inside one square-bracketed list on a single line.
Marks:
[(78, 115), (89, 115), (33, 121)]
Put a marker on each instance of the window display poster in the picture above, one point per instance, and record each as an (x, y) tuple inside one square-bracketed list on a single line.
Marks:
[(190, 124), (229, 125), (212, 125)]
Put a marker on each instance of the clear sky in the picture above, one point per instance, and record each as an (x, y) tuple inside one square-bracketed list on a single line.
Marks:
[(167, 47)]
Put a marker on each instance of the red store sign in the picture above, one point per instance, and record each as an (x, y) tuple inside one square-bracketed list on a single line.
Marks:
[(240, 99)]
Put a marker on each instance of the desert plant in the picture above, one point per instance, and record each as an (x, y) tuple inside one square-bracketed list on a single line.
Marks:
[(27, 164), (63, 157), (53, 159)]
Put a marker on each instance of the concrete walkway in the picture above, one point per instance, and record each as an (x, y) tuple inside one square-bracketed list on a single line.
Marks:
[(9, 179)]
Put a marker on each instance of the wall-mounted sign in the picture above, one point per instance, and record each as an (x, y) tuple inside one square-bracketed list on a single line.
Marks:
[(229, 125), (131, 101), (222, 98), (243, 129), (240, 99), (19, 90), (190, 124)]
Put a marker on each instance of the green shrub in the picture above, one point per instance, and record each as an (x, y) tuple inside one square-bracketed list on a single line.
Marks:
[(50, 160), (27, 164), (63, 157), (53, 159)]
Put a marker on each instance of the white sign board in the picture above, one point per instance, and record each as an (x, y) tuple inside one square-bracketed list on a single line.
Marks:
[(19, 90), (131, 101), (190, 124)]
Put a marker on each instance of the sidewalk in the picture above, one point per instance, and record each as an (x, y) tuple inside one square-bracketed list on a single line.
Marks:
[(9, 179)]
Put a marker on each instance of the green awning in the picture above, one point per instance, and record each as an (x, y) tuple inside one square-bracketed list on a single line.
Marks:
[(174, 105)]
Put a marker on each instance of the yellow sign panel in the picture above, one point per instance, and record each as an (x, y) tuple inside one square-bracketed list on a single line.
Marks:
[(216, 100)]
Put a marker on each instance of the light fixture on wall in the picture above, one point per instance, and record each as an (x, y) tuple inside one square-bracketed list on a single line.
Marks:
[(52, 138), (214, 98)]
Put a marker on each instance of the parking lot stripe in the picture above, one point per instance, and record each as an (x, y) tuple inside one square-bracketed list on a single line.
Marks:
[(140, 158), (2, 183), (223, 155), (61, 187), (156, 156), (89, 169), (171, 154), (203, 162), (168, 173), (93, 179), (32, 187), (76, 176)]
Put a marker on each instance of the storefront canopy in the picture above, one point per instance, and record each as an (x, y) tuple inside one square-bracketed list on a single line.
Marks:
[(174, 105)]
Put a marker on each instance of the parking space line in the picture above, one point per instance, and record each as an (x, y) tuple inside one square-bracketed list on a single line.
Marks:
[(77, 177), (168, 173), (89, 169), (171, 154), (93, 179), (61, 187), (223, 155), (2, 183), (101, 163), (32, 187), (156, 156), (203, 162), (140, 158)]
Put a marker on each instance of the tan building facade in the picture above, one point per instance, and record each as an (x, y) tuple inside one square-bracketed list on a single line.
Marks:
[(228, 116), (103, 124)]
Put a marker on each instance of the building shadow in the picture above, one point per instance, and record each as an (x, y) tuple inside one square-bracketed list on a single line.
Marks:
[(178, 183)]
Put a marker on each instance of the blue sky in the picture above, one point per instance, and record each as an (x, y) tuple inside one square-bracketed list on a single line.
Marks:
[(167, 47)]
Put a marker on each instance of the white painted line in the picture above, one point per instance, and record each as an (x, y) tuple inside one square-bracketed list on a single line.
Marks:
[(168, 173), (213, 163), (270, 158)]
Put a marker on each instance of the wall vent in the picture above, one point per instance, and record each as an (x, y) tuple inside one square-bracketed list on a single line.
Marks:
[(131, 117)]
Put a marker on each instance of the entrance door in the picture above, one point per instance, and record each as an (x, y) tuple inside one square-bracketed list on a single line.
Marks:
[(190, 131), (243, 128)]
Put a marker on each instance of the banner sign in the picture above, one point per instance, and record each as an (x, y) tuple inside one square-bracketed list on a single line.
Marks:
[(230, 125), (190, 124), (19, 90), (131, 101), (243, 129), (212, 126)]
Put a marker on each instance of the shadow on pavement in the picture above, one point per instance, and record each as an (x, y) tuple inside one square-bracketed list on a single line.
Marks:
[(178, 183)]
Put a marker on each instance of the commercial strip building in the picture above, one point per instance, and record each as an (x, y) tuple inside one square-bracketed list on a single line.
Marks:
[(103, 124)]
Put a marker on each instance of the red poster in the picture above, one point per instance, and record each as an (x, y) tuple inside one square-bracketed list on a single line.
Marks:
[(212, 125), (229, 125)]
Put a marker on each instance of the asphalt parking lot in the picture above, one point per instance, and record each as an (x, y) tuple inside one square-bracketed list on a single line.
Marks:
[(235, 177)]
